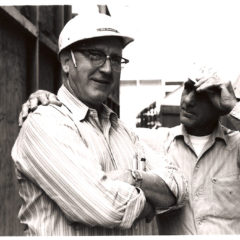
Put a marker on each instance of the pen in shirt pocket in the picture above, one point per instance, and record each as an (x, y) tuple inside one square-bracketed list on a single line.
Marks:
[(139, 164), (142, 165)]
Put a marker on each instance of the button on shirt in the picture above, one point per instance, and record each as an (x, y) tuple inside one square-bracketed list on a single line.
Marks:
[(61, 157), (213, 177)]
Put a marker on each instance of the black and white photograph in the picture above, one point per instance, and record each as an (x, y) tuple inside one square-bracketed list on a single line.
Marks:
[(120, 118)]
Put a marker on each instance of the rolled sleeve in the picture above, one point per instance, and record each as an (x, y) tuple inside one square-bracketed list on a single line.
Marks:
[(134, 207), (176, 182), (161, 165)]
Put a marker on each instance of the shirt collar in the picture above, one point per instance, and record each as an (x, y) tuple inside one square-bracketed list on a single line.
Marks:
[(219, 132), (74, 105), (108, 113), (78, 108)]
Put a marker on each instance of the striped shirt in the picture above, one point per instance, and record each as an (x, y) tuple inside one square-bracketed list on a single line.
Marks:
[(213, 177), (62, 155)]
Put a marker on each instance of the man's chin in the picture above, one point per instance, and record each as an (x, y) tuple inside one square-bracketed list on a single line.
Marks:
[(187, 122), (99, 99)]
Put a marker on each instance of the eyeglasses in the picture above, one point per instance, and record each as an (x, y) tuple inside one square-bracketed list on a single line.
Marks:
[(98, 58)]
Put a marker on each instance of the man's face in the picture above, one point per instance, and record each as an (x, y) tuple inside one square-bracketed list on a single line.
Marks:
[(93, 84), (197, 112)]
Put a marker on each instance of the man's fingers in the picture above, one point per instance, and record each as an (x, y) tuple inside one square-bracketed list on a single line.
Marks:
[(53, 99), (43, 99), (20, 120), (25, 108), (208, 78), (200, 82), (208, 86), (23, 114), (39, 97), (33, 102)]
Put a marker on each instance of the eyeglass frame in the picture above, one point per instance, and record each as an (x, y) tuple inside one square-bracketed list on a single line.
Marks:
[(113, 67)]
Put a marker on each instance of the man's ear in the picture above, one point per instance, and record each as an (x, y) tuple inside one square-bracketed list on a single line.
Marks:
[(64, 59)]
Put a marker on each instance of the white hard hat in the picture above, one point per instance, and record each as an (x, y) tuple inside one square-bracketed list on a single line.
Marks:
[(84, 27)]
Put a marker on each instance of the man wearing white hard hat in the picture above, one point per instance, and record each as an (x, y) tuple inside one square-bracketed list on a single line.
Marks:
[(80, 170)]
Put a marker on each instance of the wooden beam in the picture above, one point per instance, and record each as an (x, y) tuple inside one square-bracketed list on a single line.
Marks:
[(48, 42), (174, 83), (17, 16), (29, 26)]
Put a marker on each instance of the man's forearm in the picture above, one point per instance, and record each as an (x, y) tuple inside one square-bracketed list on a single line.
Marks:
[(154, 187), (156, 191), (232, 120)]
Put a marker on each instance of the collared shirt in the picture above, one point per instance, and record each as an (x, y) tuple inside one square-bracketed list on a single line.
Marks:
[(62, 155), (213, 177)]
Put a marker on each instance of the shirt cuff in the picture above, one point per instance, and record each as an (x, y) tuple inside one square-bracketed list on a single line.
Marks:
[(176, 182), (134, 208), (236, 111)]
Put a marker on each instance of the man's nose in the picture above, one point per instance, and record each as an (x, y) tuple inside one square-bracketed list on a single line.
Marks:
[(190, 98), (106, 67)]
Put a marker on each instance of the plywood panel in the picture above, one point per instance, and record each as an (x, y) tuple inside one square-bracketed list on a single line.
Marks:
[(49, 70), (12, 94)]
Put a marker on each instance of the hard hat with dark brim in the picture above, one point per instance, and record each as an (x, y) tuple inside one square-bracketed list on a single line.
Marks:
[(79, 28)]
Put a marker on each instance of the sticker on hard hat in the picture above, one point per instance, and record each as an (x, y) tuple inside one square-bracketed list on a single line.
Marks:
[(106, 29)]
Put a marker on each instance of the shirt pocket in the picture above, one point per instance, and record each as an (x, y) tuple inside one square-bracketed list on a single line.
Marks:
[(226, 196)]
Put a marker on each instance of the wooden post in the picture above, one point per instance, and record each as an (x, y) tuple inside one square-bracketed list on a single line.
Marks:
[(36, 55)]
